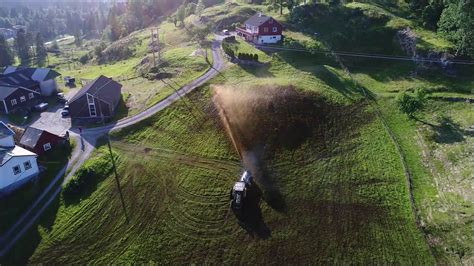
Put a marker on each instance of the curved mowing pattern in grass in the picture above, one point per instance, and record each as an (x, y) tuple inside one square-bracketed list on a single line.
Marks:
[(343, 190)]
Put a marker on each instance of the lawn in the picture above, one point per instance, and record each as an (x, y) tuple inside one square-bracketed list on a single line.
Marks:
[(241, 46), (439, 153), (178, 58)]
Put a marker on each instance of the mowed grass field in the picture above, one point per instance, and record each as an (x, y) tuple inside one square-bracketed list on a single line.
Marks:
[(342, 195)]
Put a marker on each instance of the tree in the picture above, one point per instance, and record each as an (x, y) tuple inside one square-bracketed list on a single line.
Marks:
[(22, 47), (55, 46), (411, 103), (135, 9), (41, 53), (457, 24), (190, 9), (77, 38), (115, 30), (180, 14), (6, 53), (199, 8), (290, 4)]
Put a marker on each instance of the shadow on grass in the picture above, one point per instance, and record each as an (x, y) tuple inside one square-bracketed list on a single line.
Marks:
[(258, 71), (25, 247), (447, 131), (250, 216)]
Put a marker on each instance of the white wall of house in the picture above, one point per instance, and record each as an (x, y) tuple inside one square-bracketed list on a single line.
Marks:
[(7, 142), (269, 39), (8, 179), (48, 87), (251, 29)]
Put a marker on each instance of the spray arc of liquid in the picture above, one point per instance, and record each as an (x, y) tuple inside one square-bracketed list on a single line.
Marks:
[(226, 123)]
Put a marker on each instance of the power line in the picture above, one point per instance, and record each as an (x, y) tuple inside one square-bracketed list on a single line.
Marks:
[(365, 55)]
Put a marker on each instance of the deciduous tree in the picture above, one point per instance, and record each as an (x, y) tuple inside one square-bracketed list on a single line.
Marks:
[(6, 53)]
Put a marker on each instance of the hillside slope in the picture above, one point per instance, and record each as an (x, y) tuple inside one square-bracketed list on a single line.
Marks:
[(340, 195)]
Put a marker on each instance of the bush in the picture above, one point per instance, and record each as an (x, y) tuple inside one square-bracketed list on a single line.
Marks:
[(228, 50), (87, 177), (411, 103), (229, 39), (248, 57), (84, 59)]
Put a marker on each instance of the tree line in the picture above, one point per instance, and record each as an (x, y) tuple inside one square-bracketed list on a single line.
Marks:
[(453, 19), (26, 46)]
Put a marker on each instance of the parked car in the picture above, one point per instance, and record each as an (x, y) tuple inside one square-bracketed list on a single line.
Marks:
[(41, 107), (226, 32), (61, 98), (65, 111)]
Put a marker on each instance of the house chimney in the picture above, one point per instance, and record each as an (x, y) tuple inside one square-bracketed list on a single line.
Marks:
[(259, 14)]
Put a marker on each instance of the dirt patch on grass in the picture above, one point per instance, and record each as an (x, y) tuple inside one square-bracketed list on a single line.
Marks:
[(267, 117)]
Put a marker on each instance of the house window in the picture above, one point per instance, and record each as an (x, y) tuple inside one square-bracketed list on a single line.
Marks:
[(92, 110), (275, 29), (265, 29), (22, 99), (31, 95), (47, 146), (90, 98), (27, 165), (16, 170), (13, 101)]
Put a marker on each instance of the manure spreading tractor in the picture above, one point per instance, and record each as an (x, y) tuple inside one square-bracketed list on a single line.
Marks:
[(239, 191)]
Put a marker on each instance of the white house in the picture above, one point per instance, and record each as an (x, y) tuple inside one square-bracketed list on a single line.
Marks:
[(17, 165)]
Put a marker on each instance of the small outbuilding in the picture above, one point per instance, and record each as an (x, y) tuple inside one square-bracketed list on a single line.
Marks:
[(99, 98), (40, 141)]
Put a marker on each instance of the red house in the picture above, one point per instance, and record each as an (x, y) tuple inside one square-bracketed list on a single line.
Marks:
[(261, 29), (40, 141)]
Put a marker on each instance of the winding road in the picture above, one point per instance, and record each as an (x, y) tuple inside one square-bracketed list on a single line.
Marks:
[(85, 145)]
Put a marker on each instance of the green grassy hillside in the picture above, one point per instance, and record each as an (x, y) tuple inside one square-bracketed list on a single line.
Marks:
[(338, 196), (341, 193)]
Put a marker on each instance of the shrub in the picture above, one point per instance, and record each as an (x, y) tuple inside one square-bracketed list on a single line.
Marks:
[(87, 177), (411, 103), (84, 59), (228, 50)]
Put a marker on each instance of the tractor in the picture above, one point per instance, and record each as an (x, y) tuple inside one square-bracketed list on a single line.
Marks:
[(239, 191)]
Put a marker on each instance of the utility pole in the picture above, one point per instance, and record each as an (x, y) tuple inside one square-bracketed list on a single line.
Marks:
[(153, 47), (159, 47)]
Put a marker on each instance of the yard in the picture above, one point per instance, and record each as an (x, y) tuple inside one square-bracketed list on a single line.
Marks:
[(179, 60)]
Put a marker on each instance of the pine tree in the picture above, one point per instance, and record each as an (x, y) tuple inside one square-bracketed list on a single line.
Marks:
[(115, 30), (77, 38), (41, 52), (6, 53), (22, 47)]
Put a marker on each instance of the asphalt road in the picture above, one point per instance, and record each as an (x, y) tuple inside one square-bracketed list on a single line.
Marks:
[(85, 145)]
